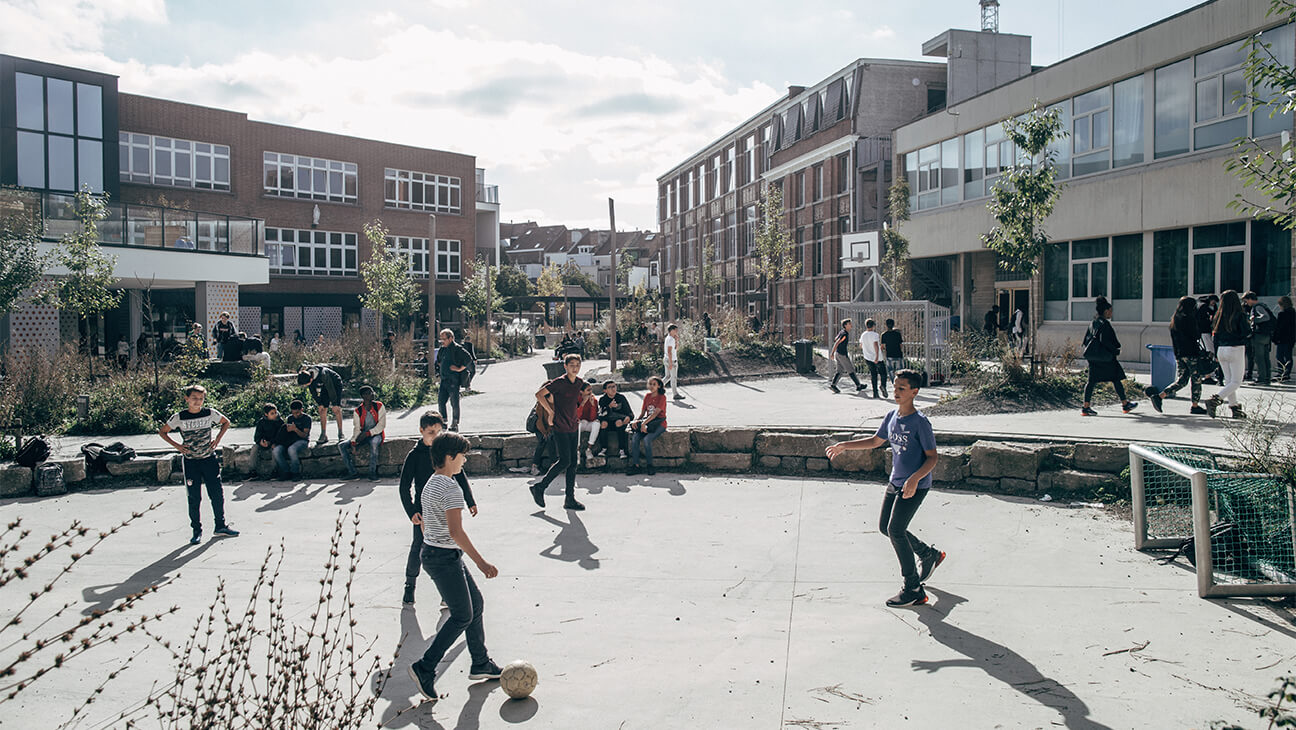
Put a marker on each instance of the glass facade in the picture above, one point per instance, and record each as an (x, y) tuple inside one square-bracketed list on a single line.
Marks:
[(59, 139), (306, 252), (156, 160), (294, 176), (421, 191)]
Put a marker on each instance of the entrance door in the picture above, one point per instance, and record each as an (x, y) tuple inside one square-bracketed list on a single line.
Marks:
[(1010, 300)]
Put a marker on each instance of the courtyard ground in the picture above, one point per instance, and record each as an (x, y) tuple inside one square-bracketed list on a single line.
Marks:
[(712, 602)]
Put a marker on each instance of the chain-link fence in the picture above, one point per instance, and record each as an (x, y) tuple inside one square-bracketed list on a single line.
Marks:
[(924, 327)]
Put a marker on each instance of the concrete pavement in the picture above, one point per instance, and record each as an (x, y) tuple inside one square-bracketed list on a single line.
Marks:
[(710, 602)]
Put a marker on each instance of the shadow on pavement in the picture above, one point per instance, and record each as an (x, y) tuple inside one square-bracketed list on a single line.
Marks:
[(516, 711), (104, 597), (280, 497), (998, 661), (1280, 619), (572, 543), (406, 706)]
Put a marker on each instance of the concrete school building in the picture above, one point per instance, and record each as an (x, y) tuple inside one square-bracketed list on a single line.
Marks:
[(1143, 218), (210, 211)]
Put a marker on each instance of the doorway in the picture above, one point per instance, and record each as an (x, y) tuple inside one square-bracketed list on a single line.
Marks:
[(1011, 300)]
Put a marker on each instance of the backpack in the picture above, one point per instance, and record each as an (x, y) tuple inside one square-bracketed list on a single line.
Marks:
[(98, 456), (1228, 548), (1267, 325), (36, 450), (118, 452)]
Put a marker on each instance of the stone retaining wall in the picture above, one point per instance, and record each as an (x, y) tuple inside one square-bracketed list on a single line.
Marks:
[(967, 461)]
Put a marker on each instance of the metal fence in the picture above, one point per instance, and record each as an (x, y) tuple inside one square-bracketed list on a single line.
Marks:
[(924, 326)]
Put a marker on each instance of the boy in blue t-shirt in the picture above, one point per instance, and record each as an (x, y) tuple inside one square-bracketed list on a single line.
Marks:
[(913, 457)]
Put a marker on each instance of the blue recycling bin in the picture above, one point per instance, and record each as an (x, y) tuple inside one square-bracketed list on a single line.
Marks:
[(1163, 365)]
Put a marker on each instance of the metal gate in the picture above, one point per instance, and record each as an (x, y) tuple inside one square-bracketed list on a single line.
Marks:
[(924, 326)]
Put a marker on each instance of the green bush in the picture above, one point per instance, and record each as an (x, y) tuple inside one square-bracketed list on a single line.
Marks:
[(242, 405), (41, 392), (130, 404), (773, 352), (693, 362)]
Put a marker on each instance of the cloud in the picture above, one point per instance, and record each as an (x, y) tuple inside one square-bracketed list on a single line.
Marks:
[(882, 32), (630, 104)]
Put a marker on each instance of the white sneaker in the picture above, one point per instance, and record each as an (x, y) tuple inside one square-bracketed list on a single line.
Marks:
[(520, 470)]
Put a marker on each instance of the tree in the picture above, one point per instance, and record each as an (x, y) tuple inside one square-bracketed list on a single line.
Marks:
[(86, 289), (1024, 197), (774, 254), (573, 276), (512, 282), (895, 247), (1267, 171), (480, 297), (550, 284), (624, 268), (681, 294), (708, 277), (21, 263), (389, 290)]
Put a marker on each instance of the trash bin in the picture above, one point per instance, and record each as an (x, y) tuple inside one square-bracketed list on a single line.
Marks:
[(554, 369), (713, 344), (539, 341), (804, 355), (1163, 365)]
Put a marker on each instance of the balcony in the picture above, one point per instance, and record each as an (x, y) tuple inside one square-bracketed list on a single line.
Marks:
[(141, 226), (872, 150), (487, 193)]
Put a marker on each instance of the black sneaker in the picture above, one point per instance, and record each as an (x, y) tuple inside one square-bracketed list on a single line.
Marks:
[(489, 670), (408, 598), (1212, 405), (573, 505), (424, 685), (632, 470), (197, 537), (1156, 403), (650, 471), (537, 493), (1130, 405), (908, 597), (225, 530), (323, 439), (1087, 411), (929, 565), (1150, 391), (833, 388), (678, 397), (1237, 411), (1197, 411), (884, 393)]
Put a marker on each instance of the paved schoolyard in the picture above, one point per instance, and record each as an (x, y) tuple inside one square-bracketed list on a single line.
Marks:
[(714, 602)]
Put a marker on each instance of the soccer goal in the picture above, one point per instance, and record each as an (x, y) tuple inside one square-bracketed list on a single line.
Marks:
[(1243, 525)]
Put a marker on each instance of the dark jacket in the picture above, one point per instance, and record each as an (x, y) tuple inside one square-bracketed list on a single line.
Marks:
[(325, 377), (1185, 337), (614, 409), (415, 473), (1285, 329), (1100, 343), (267, 430), (1262, 319), (452, 355), (284, 437), (1205, 319), (1236, 336)]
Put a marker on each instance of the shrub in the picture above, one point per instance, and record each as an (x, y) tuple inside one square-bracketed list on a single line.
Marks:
[(41, 392), (1266, 438), (693, 362), (773, 352)]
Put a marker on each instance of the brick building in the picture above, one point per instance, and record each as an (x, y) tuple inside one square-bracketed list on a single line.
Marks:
[(212, 211)]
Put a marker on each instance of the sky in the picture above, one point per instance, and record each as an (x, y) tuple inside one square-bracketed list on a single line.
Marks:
[(565, 103)]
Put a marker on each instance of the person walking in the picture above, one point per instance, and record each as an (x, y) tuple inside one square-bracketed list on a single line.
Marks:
[(871, 344), (445, 543), (893, 348), (369, 426), (1189, 355), (650, 425), (706, 322), (452, 364), (292, 440), (1207, 306), (670, 359), (558, 398), (415, 473), (1284, 337), (1263, 322), (200, 463), (1232, 330), (325, 387), (841, 358), (1101, 348), (913, 457)]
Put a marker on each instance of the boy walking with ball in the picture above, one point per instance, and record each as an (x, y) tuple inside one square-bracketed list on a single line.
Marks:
[(444, 545), (913, 457)]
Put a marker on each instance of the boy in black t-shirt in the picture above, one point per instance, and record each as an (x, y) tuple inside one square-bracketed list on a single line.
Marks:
[(841, 358), (201, 465), (559, 398), (263, 438), (293, 438), (892, 347), (614, 413)]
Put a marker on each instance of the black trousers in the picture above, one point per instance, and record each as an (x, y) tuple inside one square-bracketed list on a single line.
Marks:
[(448, 392), (1091, 384), (414, 560), (566, 443), (876, 370), (897, 513), (609, 430), (196, 473), (446, 569)]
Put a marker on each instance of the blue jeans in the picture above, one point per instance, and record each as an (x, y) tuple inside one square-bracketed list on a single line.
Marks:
[(448, 392), (638, 438), (284, 454), (348, 457)]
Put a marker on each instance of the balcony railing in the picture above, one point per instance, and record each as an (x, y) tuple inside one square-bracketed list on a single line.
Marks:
[(487, 193), (873, 149), (139, 225)]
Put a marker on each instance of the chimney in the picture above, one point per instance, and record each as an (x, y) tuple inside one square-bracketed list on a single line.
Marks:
[(794, 91)]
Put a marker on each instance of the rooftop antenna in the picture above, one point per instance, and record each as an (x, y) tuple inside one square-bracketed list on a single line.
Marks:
[(989, 16)]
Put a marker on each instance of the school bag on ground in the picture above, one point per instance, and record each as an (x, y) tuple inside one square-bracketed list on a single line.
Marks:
[(36, 450)]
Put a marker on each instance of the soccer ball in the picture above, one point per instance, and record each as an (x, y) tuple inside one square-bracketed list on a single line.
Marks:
[(519, 679)]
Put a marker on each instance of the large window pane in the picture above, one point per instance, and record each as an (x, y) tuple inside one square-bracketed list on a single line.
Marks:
[(1079, 280), (30, 94), (1096, 99), (1127, 277), (89, 110), (1208, 99), (1056, 290), (1232, 273), (1092, 162), (949, 171), (1080, 135), (973, 149), (1061, 146), (1098, 279), (62, 163), (1271, 259), (1219, 133), (58, 104), (90, 164), (1173, 92), (1169, 271), (1204, 273), (1220, 58), (1282, 44), (1127, 123), (1092, 248), (31, 159), (1221, 235)]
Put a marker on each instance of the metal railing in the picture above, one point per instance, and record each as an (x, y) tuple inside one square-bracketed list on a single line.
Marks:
[(140, 225)]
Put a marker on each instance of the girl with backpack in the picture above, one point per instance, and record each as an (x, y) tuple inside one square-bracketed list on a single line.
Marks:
[(1101, 349), (1232, 331), (1188, 352)]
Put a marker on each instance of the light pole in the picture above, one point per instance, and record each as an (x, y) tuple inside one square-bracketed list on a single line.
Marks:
[(432, 284), (612, 291)]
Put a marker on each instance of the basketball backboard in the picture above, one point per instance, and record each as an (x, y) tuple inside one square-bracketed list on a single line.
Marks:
[(860, 250)]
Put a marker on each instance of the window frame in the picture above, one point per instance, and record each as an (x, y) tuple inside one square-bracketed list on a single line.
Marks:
[(314, 170)]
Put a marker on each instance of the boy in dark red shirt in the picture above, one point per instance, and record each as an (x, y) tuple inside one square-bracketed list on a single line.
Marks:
[(560, 399)]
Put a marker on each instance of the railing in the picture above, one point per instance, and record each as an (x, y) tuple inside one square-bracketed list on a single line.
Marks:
[(487, 193), (139, 225), (873, 149)]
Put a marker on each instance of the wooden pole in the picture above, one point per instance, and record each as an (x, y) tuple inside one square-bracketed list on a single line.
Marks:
[(432, 284), (612, 291)]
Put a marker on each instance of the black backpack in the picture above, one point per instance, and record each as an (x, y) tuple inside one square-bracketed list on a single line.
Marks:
[(1268, 324), (36, 450), (1228, 548), (98, 456)]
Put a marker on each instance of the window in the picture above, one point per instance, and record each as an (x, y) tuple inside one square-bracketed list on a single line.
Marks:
[(1090, 263), (1061, 146), (749, 160), (731, 235), (929, 174), (421, 191), (146, 158), (949, 176), (414, 251), (1169, 271), (911, 174), (973, 169), (448, 259), (731, 170), (311, 252), (294, 176), (818, 182), (1057, 289), (843, 173), (1172, 91), (999, 154), (1218, 90), (60, 133), (1091, 131), (1127, 122), (1218, 255), (1282, 44), (1127, 278), (749, 228), (817, 232), (1271, 259)]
